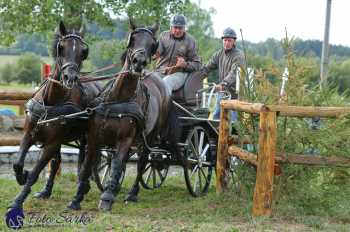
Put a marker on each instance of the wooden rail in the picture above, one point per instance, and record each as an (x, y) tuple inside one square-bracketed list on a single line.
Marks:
[(16, 98), (15, 95), (10, 140), (266, 157)]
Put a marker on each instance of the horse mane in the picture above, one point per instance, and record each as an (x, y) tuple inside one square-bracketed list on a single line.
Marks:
[(56, 38), (123, 57)]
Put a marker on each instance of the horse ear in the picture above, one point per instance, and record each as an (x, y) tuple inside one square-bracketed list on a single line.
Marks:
[(132, 24), (154, 28), (62, 28), (82, 30)]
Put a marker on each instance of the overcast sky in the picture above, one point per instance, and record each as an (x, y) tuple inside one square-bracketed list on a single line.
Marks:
[(262, 19)]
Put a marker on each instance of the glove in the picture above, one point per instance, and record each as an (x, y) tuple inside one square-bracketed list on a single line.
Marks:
[(172, 69)]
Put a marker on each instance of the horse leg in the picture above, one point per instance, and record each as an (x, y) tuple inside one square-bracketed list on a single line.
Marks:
[(26, 143), (82, 152), (55, 165), (113, 186), (34, 174), (134, 191), (85, 172)]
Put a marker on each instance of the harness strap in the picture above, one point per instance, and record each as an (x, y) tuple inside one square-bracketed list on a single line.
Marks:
[(88, 74), (54, 81)]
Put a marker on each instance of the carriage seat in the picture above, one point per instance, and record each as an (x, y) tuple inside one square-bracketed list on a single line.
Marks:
[(186, 95)]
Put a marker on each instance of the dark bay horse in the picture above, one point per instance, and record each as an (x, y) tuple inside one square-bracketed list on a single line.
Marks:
[(131, 107), (61, 94)]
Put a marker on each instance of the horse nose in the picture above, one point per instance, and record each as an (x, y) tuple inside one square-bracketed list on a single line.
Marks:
[(70, 79), (139, 62)]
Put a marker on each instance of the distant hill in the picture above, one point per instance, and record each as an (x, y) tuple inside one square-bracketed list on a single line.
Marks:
[(272, 47), (39, 44)]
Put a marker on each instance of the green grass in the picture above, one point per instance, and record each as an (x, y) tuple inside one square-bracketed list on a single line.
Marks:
[(8, 59), (12, 59), (169, 208)]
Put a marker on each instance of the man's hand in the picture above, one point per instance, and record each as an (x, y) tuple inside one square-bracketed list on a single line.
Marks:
[(180, 62), (219, 87), (172, 69), (156, 56)]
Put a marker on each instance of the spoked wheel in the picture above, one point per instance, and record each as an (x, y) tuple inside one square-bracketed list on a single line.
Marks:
[(102, 171), (239, 171), (199, 161), (155, 172), (235, 174)]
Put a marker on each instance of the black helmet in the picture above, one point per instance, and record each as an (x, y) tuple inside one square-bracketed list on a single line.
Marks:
[(178, 21), (229, 33)]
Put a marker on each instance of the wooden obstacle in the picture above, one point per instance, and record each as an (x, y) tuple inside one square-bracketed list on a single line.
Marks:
[(16, 98), (266, 157)]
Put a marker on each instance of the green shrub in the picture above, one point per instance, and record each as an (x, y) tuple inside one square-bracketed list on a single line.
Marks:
[(7, 73), (28, 69), (303, 190)]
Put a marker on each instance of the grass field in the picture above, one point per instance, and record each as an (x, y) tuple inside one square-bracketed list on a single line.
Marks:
[(169, 208), (11, 59), (8, 59)]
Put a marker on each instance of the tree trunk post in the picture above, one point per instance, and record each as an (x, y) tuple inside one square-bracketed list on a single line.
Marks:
[(262, 200), (222, 152)]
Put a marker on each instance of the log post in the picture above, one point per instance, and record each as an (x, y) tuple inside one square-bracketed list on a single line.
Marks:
[(222, 152), (262, 200), (21, 109)]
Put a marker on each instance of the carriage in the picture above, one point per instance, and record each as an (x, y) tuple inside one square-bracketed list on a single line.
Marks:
[(199, 136)]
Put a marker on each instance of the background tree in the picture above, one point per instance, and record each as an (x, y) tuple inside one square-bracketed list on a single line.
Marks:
[(7, 73), (28, 69), (42, 15)]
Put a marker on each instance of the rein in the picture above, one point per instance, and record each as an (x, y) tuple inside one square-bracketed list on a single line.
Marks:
[(88, 74), (100, 78)]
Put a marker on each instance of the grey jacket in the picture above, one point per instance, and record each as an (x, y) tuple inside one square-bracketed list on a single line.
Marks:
[(169, 48), (227, 64)]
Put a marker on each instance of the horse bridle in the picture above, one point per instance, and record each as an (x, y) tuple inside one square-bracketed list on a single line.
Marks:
[(75, 66), (132, 52)]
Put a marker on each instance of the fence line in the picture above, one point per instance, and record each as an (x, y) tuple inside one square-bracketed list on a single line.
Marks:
[(266, 156)]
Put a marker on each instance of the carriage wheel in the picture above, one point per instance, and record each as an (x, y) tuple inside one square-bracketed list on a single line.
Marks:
[(102, 171), (199, 161), (239, 171), (235, 177), (155, 172)]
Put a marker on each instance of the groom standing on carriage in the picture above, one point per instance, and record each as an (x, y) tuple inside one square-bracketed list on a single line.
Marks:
[(227, 61), (177, 54)]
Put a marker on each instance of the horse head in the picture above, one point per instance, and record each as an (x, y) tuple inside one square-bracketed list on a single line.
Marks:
[(69, 51), (141, 45)]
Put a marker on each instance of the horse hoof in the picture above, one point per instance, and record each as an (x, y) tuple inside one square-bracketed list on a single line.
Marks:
[(130, 198), (74, 205), (105, 205), (42, 195)]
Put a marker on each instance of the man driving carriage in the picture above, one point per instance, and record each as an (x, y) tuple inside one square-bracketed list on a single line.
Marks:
[(227, 61), (177, 54)]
